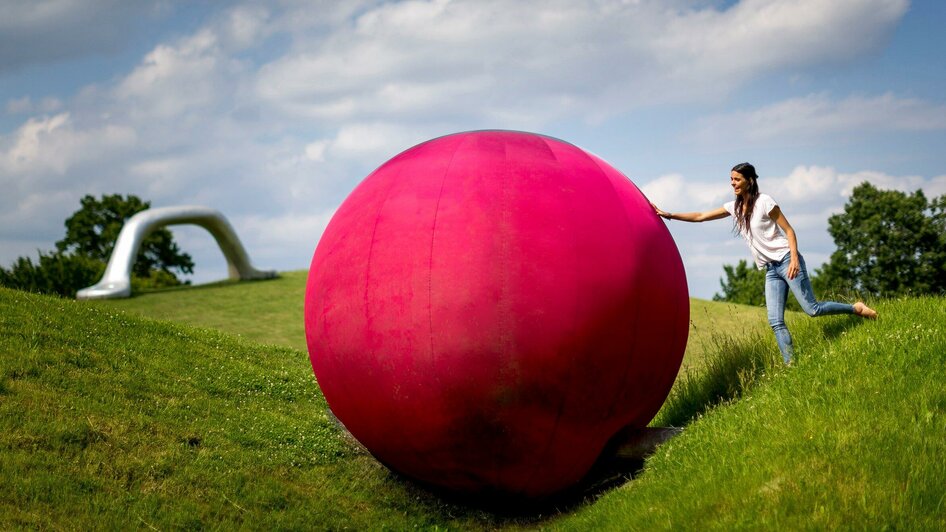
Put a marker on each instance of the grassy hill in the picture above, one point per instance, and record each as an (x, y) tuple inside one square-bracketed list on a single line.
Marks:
[(852, 437), (268, 312), (110, 419)]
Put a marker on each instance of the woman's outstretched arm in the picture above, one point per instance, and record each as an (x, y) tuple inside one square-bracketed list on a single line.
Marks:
[(714, 214)]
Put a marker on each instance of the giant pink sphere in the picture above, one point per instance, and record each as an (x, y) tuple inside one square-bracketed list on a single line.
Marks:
[(487, 309)]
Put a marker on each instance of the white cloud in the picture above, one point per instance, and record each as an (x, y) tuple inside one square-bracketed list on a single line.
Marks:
[(25, 149), (244, 26), (374, 140), (479, 59), (268, 236), (26, 105), (808, 185), (315, 151), (936, 186), (33, 216), (813, 116), (755, 36), (279, 230), (52, 144), (369, 143), (20, 105), (674, 193), (173, 79)]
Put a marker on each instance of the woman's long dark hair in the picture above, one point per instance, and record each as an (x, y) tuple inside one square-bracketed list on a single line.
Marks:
[(742, 211)]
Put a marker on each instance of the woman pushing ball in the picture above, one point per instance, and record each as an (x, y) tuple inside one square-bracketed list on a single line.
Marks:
[(774, 248)]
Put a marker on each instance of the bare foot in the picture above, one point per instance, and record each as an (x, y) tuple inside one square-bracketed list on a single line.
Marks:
[(864, 311)]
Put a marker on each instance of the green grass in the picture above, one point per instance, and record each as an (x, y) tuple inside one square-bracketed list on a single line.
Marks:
[(109, 420), (852, 437), (112, 420), (267, 312), (712, 321), (732, 365)]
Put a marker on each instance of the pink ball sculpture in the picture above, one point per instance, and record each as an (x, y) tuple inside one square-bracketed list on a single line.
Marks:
[(487, 309)]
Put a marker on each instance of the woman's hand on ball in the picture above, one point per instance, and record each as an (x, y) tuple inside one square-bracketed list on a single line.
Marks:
[(660, 212)]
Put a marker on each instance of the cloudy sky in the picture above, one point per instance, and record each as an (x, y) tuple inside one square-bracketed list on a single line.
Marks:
[(273, 111)]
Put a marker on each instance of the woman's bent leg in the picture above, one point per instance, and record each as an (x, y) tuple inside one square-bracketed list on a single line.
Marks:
[(776, 292), (805, 295)]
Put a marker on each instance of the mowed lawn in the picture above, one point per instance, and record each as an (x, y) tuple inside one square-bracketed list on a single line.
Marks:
[(266, 312)]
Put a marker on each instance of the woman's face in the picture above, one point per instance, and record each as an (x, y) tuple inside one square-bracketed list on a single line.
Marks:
[(739, 183)]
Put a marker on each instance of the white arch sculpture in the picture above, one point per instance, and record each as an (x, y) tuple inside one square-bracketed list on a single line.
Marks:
[(116, 281)]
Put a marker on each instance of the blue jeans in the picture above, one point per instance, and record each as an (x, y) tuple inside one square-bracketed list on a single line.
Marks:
[(777, 285)]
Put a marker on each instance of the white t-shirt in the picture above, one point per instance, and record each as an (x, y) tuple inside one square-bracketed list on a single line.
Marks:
[(765, 237)]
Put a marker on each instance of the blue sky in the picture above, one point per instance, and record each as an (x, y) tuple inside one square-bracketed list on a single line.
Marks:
[(273, 111)]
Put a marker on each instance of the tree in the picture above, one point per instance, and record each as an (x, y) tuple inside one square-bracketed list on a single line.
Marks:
[(92, 231), (889, 243), (54, 273), (742, 284), (80, 257)]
